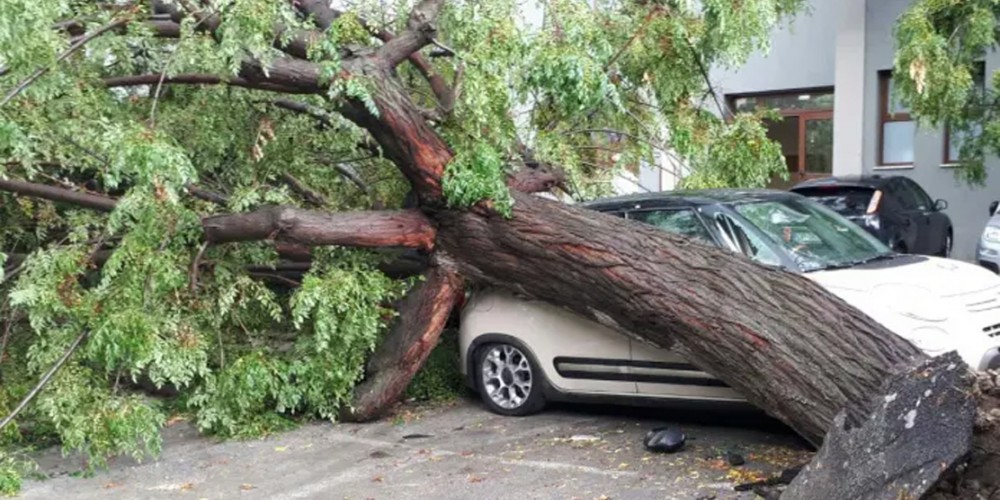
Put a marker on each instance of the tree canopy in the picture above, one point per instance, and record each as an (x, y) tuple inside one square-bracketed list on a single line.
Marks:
[(129, 131), (940, 68)]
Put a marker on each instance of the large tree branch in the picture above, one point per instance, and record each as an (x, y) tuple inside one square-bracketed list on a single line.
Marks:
[(404, 228), (324, 15), (290, 225), (421, 29), (423, 314)]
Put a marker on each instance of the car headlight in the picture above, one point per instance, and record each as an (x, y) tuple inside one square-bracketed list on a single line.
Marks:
[(992, 234), (913, 302), (931, 339)]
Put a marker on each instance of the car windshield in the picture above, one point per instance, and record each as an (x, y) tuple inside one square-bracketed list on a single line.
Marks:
[(814, 236)]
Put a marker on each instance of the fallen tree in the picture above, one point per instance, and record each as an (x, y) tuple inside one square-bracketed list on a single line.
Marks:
[(789, 346)]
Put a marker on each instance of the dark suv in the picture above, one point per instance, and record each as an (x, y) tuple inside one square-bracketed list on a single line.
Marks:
[(894, 209)]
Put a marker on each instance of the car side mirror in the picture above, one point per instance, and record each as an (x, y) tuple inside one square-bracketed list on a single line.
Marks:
[(940, 205), (993, 207)]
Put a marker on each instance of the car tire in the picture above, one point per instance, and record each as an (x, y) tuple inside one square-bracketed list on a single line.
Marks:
[(509, 380), (948, 242)]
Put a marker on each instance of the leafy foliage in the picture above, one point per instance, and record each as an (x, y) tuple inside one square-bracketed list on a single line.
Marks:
[(940, 46), (440, 378), (597, 88)]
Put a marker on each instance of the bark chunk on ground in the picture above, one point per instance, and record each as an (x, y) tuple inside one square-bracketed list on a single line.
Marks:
[(919, 427)]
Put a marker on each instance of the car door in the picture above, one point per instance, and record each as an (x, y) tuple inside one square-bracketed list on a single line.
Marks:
[(661, 372), (936, 222), (912, 220)]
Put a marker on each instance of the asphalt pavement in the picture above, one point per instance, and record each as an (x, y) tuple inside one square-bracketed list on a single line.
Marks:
[(448, 451)]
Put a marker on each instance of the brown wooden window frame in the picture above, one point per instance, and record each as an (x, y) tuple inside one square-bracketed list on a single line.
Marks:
[(801, 114), (946, 155), (884, 117)]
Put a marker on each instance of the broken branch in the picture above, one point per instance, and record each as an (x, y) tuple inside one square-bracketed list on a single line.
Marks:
[(403, 228)]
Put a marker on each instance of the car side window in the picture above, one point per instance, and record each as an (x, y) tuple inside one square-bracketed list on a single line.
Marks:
[(739, 240), (924, 201), (907, 201), (683, 222), (908, 198)]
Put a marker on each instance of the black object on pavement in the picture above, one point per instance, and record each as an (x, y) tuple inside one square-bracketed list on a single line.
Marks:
[(664, 440)]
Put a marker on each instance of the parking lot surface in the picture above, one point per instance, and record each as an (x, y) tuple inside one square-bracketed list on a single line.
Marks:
[(449, 451)]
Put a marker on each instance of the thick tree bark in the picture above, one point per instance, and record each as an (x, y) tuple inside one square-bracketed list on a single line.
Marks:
[(403, 228), (422, 315), (780, 339)]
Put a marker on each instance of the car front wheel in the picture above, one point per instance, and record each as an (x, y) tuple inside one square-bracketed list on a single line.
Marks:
[(510, 382)]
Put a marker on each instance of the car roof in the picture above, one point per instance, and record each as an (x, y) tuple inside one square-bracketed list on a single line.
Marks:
[(866, 181), (686, 198)]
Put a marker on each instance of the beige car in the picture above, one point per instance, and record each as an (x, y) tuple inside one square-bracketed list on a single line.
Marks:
[(518, 353)]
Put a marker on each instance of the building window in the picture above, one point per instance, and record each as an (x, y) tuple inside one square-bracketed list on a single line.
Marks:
[(805, 131), (953, 139), (896, 128)]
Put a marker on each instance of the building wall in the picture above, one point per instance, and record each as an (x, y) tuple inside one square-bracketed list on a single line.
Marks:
[(801, 56), (967, 205)]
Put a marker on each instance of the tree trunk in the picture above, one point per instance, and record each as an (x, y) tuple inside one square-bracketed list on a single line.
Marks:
[(422, 315), (789, 346)]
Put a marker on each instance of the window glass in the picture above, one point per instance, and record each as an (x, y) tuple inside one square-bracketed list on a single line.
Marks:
[(804, 101), (684, 222), (745, 242), (819, 146), (897, 142), (895, 104), (907, 198), (812, 235), (921, 199), (848, 201)]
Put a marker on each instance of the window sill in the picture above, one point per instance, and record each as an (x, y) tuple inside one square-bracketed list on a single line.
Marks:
[(904, 166), (950, 165)]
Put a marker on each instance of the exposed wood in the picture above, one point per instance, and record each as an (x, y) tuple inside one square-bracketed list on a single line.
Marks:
[(402, 228), (422, 316), (785, 343)]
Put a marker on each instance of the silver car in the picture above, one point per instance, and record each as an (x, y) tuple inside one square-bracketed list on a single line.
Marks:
[(988, 247)]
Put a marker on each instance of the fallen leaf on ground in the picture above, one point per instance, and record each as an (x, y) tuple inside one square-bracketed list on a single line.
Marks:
[(187, 486), (110, 485), (174, 419), (476, 479), (280, 449), (377, 479), (247, 487)]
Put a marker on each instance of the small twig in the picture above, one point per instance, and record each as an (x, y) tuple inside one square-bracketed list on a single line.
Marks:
[(645, 23), (306, 192), (195, 264), (447, 51), (44, 380), (66, 53)]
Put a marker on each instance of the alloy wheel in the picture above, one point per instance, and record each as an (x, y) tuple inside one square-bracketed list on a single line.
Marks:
[(506, 376)]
